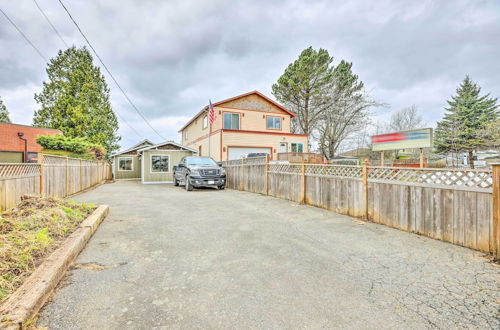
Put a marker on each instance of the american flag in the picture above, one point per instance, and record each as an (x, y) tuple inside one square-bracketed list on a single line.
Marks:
[(211, 112)]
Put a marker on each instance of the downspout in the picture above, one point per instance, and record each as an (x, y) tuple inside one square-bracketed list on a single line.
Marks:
[(25, 154)]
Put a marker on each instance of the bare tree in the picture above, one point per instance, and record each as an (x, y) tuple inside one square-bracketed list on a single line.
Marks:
[(406, 119), (346, 113)]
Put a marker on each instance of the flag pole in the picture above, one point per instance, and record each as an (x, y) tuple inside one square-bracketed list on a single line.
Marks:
[(210, 129), (209, 134)]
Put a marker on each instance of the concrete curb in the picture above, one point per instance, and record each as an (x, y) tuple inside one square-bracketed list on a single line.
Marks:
[(25, 303)]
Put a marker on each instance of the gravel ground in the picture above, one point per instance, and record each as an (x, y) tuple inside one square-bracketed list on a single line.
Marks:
[(165, 258)]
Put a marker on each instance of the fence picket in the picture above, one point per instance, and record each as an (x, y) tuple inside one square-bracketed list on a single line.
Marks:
[(454, 205), (52, 176)]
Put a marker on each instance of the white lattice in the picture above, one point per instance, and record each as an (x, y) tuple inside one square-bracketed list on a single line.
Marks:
[(245, 161), (285, 168), (334, 170), (447, 177), (16, 170)]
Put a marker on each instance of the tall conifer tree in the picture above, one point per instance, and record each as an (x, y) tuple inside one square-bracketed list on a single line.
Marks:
[(75, 99)]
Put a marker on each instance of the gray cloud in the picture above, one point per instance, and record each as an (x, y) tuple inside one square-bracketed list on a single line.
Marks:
[(171, 57)]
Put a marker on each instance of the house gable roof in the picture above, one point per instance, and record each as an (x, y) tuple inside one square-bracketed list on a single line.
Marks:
[(220, 103), (137, 146), (167, 143)]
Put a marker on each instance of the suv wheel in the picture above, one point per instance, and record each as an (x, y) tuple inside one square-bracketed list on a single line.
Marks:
[(189, 186), (176, 183), (222, 187)]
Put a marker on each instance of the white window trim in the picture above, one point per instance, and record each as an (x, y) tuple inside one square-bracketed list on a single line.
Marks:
[(203, 123), (232, 113), (274, 117), (124, 158), (297, 143), (151, 164)]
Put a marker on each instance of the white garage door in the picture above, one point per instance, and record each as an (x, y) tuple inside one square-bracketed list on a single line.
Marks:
[(239, 152)]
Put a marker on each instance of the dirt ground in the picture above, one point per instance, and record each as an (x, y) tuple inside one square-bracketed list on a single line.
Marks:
[(165, 258)]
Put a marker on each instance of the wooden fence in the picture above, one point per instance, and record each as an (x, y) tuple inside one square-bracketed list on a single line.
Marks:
[(52, 176), (453, 205)]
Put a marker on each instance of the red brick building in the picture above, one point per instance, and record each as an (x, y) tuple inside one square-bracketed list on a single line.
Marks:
[(18, 142)]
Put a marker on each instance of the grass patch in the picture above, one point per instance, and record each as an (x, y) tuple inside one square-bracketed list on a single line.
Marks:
[(30, 232)]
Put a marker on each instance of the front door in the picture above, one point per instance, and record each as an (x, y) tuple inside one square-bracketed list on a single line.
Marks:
[(283, 147)]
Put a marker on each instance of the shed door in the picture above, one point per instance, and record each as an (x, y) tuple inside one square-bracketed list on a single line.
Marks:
[(240, 152)]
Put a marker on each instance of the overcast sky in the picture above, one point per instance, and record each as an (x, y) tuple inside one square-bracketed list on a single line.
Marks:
[(172, 56)]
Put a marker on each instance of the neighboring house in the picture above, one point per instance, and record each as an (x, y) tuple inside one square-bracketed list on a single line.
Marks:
[(18, 142), (127, 163), (246, 123), (148, 162)]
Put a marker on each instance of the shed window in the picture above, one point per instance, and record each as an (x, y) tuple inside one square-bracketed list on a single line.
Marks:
[(159, 163), (297, 147), (273, 122), (231, 120), (125, 164)]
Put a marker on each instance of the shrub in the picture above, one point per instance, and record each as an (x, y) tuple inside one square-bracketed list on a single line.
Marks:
[(76, 145)]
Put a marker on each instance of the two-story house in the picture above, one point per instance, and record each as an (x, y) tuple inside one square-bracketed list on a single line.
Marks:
[(244, 124)]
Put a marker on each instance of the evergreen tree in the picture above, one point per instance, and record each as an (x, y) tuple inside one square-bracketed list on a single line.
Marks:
[(4, 113), (75, 99), (304, 86), (462, 127)]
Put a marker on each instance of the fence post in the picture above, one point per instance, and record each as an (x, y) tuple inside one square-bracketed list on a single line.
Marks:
[(365, 189), (496, 211), (66, 183), (41, 160), (302, 183), (267, 175), (81, 176)]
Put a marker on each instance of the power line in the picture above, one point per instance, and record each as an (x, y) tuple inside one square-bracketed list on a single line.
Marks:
[(64, 42), (24, 36), (50, 23), (109, 72)]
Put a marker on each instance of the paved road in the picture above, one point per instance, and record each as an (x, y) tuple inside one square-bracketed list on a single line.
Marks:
[(169, 259)]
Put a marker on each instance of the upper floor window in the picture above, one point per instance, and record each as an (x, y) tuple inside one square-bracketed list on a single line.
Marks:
[(231, 120), (273, 122), (204, 123), (185, 134)]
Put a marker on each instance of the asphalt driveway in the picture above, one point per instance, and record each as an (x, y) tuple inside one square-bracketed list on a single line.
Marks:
[(165, 258)]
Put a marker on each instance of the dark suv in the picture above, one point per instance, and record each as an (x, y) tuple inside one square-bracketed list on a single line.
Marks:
[(194, 172)]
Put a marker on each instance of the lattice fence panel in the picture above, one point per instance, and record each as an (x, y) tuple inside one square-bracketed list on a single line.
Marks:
[(444, 177), (245, 161), (285, 168), (334, 171), (19, 170)]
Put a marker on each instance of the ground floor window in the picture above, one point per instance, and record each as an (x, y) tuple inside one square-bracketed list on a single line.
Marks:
[(125, 164), (159, 163), (297, 147)]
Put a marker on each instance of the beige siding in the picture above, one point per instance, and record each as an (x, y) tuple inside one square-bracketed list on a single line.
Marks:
[(194, 131), (134, 174), (253, 111), (251, 120), (174, 158), (236, 139)]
